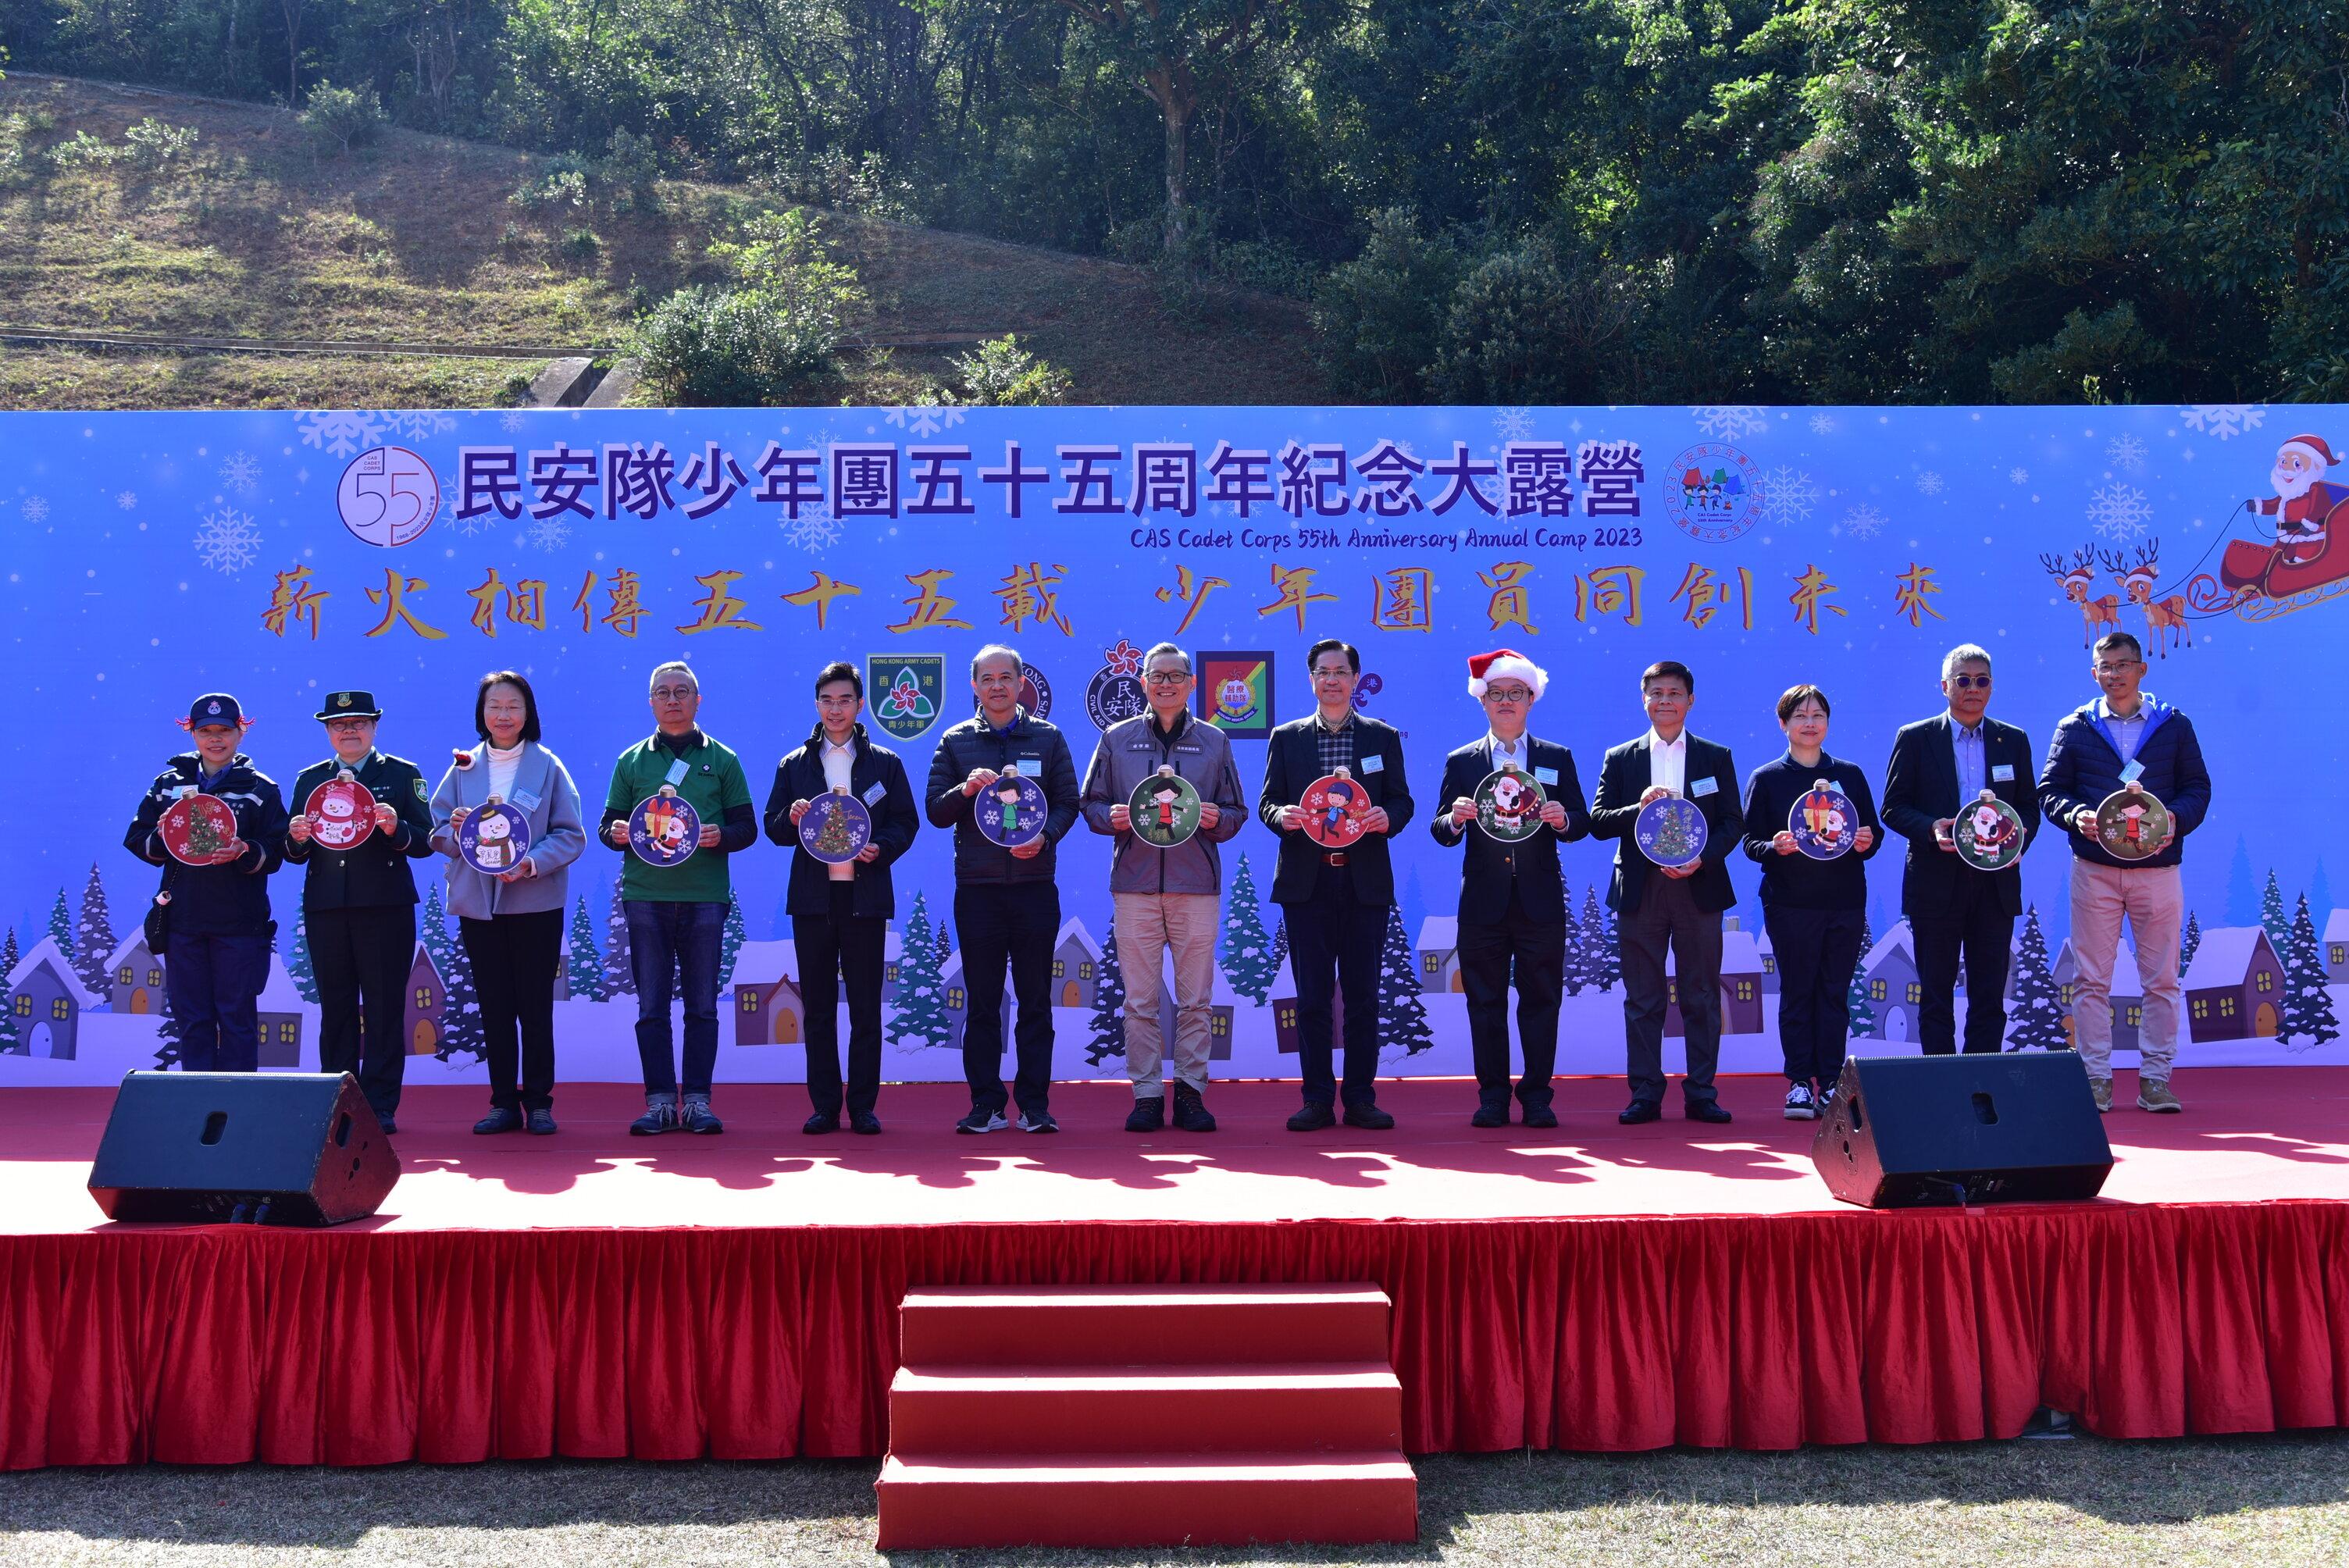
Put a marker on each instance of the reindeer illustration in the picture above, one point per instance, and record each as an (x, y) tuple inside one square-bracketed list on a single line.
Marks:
[(2162, 617), (2077, 578)]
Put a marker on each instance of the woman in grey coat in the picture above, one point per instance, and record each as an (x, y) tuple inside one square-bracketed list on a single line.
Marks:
[(512, 921)]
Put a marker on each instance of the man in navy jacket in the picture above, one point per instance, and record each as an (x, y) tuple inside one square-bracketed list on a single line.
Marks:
[(2126, 739)]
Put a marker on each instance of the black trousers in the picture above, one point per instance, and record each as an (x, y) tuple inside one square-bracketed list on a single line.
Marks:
[(360, 959), (1488, 953), (1816, 951), (1334, 940), (1007, 924), (514, 957), (1668, 917), (842, 945), (1975, 929)]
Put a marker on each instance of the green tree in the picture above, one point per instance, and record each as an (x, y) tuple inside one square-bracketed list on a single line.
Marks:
[(731, 940), (2188, 941), (1106, 1036), (460, 1017), (2308, 1015), (1403, 1014), (2037, 1011), (12, 1043), (2271, 914), (1859, 1014), (586, 971), (920, 1019), (61, 923), (93, 936), (619, 978), (1247, 958)]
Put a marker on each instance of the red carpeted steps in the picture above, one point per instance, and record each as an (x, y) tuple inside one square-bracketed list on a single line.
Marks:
[(1146, 1416)]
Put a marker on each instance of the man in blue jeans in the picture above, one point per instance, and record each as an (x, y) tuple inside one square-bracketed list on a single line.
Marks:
[(677, 914)]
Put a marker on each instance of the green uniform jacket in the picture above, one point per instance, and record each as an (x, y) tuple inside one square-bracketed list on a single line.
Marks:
[(713, 785), (376, 874)]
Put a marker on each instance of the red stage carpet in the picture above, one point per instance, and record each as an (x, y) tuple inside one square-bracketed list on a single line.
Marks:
[(1594, 1288)]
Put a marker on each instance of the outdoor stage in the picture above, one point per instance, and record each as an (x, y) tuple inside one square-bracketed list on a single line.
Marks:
[(1595, 1287)]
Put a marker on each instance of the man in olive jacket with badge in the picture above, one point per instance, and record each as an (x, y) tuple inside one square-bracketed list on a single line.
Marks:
[(359, 903)]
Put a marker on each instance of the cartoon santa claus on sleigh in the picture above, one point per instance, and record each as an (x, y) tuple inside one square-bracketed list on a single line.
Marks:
[(2306, 509)]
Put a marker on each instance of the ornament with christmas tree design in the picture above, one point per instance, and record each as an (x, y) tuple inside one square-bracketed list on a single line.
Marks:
[(1165, 808), (494, 838), (197, 829), (2131, 824), (836, 828), (1670, 831)]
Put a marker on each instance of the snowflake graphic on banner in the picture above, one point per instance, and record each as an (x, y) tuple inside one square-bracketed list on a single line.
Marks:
[(510, 421), (36, 509), (241, 472), (127, 500), (2018, 476), (814, 530), (2125, 452), (547, 533), (1863, 522), (1513, 424), (2119, 511), (1730, 422), (2223, 421), (1823, 424), (480, 522), (1929, 483), (923, 418), (415, 424), (227, 540), (339, 431), (1789, 495)]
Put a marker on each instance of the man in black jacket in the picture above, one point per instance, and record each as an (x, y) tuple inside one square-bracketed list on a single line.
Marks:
[(840, 914), (1336, 901), (1005, 904), (1512, 898), (359, 903), (215, 920), (1940, 766), (1659, 906)]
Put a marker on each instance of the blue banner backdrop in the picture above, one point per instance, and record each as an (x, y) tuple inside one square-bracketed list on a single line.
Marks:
[(281, 556)]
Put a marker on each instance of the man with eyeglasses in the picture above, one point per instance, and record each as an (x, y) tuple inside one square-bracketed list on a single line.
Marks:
[(1957, 914), (359, 904), (1336, 901), (841, 913), (1512, 896), (1167, 900), (677, 914), (1006, 907), (2127, 737)]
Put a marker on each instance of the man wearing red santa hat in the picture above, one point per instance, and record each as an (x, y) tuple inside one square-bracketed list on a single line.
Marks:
[(1512, 897), (2303, 501)]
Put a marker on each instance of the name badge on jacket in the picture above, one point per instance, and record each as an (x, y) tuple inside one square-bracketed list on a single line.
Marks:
[(525, 800), (1703, 786), (1376, 762), (1544, 775), (2003, 773), (2132, 772), (873, 791)]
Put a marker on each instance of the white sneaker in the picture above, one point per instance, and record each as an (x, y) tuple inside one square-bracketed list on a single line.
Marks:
[(1800, 1106)]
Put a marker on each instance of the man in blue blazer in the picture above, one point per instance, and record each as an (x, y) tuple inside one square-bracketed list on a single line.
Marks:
[(1657, 907), (1957, 914), (1512, 898), (1336, 901)]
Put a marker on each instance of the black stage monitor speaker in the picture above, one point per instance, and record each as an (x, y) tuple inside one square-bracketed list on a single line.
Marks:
[(275, 1149), (2017, 1128)]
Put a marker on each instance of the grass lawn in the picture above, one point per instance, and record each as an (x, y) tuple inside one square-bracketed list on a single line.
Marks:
[(2268, 1501), (413, 240)]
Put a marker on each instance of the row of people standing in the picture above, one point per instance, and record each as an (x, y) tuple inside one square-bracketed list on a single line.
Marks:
[(360, 902)]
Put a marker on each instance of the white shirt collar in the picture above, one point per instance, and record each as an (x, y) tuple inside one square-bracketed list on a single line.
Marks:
[(1658, 742), (1495, 746), (844, 748)]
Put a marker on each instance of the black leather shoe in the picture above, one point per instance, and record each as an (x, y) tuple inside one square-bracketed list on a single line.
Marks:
[(1491, 1115), (1641, 1110), (1191, 1113), (542, 1121), (866, 1122), (388, 1124), (504, 1119), (1367, 1115), (1708, 1110), (1312, 1117), (1148, 1115), (822, 1122), (1540, 1116)]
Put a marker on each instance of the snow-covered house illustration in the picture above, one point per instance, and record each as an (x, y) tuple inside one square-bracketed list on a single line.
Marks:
[(2234, 987), (2127, 993), (1221, 1001), (768, 1007), (46, 999), (1439, 953), (958, 999), (1284, 1023), (893, 963), (2336, 946), (562, 970), (425, 1006), (1076, 966), (134, 977), (280, 1011), (1769, 954), (1889, 973), (1740, 986)]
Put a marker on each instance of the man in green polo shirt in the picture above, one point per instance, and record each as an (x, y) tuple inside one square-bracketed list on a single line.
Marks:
[(677, 914)]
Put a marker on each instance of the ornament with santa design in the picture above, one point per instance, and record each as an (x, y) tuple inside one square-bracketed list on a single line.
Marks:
[(494, 838), (1163, 808), (197, 829), (1509, 805), (2132, 825), (1334, 808), (1823, 822), (341, 813), (836, 828), (1988, 833), (1670, 831), (664, 830), (1011, 809)]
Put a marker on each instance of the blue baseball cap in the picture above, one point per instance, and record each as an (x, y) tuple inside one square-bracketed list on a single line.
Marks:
[(215, 707)]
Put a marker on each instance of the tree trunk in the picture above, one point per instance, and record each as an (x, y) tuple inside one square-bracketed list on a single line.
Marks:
[(1171, 84)]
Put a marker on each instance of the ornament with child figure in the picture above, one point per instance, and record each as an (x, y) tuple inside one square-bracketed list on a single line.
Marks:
[(2132, 824), (197, 829), (1334, 808), (341, 812), (1165, 808), (1670, 831), (1011, 809), (836, 828)]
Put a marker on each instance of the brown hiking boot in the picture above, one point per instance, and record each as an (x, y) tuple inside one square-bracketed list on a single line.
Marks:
[(2152, 1094), (2103, 1089)]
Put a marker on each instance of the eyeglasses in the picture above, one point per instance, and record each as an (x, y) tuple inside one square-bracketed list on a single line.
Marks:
[(1508, 693), (347, 725), (2120, 669), (1971, 683), (674, 694), (1338, 673), (838, 701), (1167, 677)]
